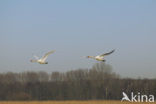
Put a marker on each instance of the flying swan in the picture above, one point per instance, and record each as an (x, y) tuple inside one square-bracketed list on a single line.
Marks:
[(43, 59), (100, 57)]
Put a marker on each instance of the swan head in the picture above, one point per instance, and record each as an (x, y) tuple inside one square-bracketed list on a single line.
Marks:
[(46, 62), (33, 60), (89, 56)]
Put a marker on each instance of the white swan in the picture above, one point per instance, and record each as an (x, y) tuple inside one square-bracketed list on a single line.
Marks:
[(100, 57), (43, 59)]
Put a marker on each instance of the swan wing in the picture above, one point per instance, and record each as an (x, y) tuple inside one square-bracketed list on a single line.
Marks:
[(105, 54), (46, 55), (36, 57)]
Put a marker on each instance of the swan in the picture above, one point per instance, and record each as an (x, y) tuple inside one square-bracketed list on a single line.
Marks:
[(101, 57), (43, 59)]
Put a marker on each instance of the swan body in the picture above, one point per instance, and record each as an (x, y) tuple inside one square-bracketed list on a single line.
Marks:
[(101, 57), (43, 59)]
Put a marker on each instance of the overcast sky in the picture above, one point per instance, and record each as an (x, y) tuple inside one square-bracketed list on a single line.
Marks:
[(76, 29)]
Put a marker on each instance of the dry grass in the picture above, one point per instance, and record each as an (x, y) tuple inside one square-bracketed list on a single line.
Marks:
[(69, 102)]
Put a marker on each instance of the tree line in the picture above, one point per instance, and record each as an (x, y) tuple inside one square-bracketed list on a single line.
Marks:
[(96, 83)]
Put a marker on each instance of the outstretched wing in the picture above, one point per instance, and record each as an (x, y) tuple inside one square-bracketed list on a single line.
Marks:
[(36, 57), (105, 54), (46, 55)]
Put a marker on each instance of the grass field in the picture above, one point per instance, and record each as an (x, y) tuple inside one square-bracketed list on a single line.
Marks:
[(70, 102)]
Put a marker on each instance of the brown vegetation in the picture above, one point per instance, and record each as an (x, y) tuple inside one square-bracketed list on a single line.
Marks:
[(97, 83), (71, 102)]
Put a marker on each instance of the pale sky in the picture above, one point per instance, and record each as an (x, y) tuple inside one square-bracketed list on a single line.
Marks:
[(76, 29)]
